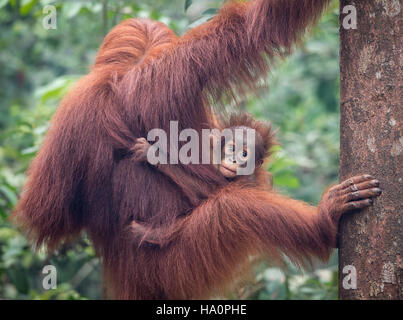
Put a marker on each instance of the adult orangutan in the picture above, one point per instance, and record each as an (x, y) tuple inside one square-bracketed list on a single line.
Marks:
[(84, 177)]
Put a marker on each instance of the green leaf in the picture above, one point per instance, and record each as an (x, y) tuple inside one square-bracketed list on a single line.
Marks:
[(26, 6), (7, 233), (54, 90), (31, 151), (19, 278), (286, 180), (8, 194), (3, 214), (211, 12), (188, 3), (200, 21), (3, 3), (72, 9)]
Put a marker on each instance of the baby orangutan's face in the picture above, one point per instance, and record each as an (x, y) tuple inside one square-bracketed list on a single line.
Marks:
[(233, 159)]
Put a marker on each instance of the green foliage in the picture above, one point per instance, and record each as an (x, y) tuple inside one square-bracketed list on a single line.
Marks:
[(38, 68), (188, 3)]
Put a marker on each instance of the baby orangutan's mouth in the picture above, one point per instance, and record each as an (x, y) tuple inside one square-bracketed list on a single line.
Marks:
[(229, 171)]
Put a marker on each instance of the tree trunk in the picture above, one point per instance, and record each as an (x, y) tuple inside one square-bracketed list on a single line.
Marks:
[(372, 143)]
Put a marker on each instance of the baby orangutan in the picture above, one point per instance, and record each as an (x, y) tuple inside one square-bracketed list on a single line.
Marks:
[(232, 158), (243, 141)]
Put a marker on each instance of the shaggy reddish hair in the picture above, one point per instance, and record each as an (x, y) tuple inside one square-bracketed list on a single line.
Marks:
[(144, 76)]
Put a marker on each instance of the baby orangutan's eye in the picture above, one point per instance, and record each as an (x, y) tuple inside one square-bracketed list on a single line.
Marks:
[(230, 149), (243, 156)]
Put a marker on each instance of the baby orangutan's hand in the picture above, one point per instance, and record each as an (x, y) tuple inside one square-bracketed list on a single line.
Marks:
[(354, 193), (140, 150)]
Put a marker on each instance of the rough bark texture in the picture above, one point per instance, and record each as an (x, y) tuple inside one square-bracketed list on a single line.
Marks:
[(372, 142)]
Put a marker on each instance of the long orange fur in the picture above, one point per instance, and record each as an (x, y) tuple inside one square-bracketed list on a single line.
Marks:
[(145, 76)]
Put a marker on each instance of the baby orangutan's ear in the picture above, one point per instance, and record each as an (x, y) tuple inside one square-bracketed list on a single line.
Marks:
[(259, 163)]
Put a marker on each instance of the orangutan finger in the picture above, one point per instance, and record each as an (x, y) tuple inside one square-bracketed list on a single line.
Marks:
[(354, 205), (368, 184), (141, 140), (354, 181), (361, 186), (364, 194), (139, 148)]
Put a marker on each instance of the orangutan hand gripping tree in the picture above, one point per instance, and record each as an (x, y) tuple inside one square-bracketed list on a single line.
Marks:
[(85, 179)]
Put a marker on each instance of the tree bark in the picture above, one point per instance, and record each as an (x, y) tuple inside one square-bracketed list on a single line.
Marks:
[(372, 143)]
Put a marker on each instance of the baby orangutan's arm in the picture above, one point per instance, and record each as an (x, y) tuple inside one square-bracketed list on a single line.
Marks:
[(194, 189)]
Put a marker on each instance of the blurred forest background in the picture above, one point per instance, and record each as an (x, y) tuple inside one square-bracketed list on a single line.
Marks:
[(37, 67)]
